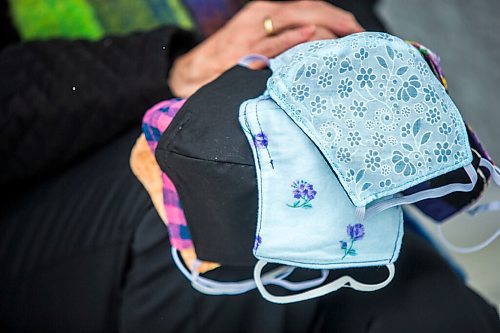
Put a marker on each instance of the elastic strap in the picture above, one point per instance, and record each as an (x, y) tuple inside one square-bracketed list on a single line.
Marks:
[(297, 286), (495, 175), (248, 59), (461, 249), (364, 213), (344, 281), (212, 287), (491, 206)]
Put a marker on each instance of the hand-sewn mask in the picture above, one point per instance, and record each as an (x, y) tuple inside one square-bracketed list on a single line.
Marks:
[(206, 156), (305, 218), (372, 106)]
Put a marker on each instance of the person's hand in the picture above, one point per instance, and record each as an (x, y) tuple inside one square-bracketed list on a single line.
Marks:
[(294, 22)]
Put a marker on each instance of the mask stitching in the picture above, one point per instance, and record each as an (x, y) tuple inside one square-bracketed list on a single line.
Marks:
[(208, 161), (397, 244), (258, 238), (261, 131)]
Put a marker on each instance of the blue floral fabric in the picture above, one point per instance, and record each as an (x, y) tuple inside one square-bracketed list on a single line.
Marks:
[(371, 104), (296, 222)]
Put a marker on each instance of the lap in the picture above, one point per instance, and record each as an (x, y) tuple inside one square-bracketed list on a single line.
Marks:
[(86, 249)]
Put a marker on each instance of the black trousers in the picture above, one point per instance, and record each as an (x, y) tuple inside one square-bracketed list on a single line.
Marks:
[(85, 251)]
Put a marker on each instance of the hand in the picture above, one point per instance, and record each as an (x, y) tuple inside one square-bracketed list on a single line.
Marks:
[(294, 22)]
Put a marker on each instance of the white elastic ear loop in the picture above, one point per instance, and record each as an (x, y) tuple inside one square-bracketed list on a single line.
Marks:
[(460, 249), (492, 206), (344, 281), (248, 59), (495, 175), (211, 287), (363, 213), (296, 286)]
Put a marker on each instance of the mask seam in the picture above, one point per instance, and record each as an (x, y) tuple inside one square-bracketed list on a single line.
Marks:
[(209, 161), (260, 179), (260, 128), (321, 264), (184, 119), (257, 169), (398, 242), (169, 135)]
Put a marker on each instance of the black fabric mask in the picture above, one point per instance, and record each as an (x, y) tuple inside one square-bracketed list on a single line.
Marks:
[(207, 157)]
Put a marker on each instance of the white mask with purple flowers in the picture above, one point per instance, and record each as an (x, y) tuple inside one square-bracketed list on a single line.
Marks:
[(383, 121), (305, 218)]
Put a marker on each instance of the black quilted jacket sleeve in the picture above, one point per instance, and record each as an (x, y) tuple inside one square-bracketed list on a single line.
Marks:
[(61, 99)]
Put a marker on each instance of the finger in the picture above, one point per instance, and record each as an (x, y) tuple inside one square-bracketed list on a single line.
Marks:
[(300, 13), (323, 33), (274, 45)]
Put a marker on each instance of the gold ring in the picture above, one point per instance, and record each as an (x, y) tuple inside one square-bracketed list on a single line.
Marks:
[(268, 26)]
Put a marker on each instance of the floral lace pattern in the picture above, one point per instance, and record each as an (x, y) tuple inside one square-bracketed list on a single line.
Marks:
[(369, 103)]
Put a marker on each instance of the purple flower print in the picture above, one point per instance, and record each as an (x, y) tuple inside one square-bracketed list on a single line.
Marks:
[(260, 140), (258, 241), (304, 193), (355, 232)]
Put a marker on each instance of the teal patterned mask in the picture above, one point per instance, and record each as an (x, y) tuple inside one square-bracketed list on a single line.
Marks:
[(383, 121), (305, 219)]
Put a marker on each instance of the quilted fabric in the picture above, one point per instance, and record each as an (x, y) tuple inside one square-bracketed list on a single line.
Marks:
[(60, 99)]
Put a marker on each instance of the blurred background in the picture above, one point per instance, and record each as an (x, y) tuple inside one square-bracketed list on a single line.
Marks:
[(466, 35)]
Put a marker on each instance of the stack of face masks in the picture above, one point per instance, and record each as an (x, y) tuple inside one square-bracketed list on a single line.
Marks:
[(347, 131), (345, 127)]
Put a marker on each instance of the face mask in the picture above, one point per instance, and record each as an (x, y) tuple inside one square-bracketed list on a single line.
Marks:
[(305, 219), (374, 69), (382, 120)]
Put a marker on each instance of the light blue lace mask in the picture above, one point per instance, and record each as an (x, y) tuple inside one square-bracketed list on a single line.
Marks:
[(305, 218), (380, 117)]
